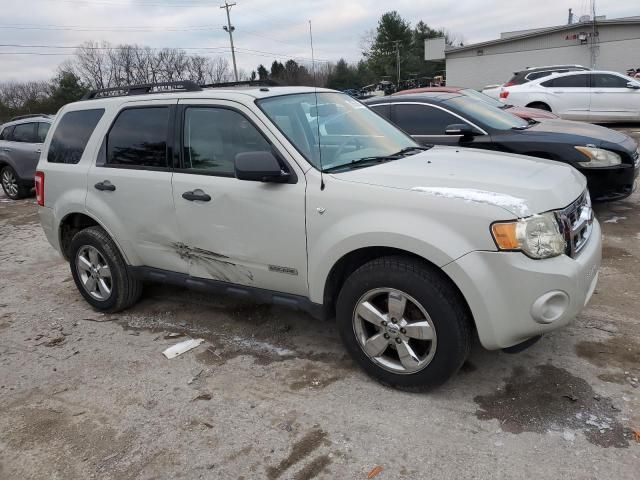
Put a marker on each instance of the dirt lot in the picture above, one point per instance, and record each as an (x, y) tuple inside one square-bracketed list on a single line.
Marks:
[(271, 393)]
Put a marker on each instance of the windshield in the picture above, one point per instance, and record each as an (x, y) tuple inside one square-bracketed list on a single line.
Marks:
[(482, 97), (335, 131), (485, 114)]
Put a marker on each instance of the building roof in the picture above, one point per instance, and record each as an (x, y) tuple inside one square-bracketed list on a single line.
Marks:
[(544, 31)]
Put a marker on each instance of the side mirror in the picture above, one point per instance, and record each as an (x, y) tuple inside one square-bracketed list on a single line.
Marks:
[(259, 166), (633, 86), (463, 129)]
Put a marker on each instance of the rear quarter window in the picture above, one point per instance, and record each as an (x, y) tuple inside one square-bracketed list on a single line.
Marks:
[(72, 134)]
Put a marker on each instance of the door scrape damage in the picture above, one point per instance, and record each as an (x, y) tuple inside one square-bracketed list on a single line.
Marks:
[(219, 266)]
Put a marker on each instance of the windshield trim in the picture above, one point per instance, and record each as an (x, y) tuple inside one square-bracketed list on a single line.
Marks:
[(257, 102), (482, 130)]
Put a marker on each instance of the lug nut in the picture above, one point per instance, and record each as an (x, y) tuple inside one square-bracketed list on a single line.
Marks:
[(393, 320), (403, 330), (384, 323), (386, 335), (398, 340)]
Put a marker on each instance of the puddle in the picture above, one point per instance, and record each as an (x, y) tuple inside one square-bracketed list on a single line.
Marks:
[(301, 449), (611, 252), (551, 399), (620, 352)]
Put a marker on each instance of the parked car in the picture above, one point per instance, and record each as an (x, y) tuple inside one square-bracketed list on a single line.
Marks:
[(609, 159), (20, 146), (593, 96), (533, 73), (522, 112), (414, 250), (529, 74)]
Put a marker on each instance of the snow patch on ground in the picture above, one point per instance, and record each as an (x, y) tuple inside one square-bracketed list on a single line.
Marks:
[(511, 203), (253, 344), (615, 219)]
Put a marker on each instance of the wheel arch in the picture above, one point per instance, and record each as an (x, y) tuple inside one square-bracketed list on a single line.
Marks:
[(72, 223), (354, 259), (537, 103)]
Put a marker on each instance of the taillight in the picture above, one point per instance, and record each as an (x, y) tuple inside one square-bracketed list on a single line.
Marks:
[(504, 94), (509, 84), (40, 188)]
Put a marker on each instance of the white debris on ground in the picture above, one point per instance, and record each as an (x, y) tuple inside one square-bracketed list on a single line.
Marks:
[(568, 435), (601, 424), (254, 344), (614, 219), (182, 347), (511, 203)]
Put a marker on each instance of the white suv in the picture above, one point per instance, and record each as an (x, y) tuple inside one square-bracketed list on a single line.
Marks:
[(307, 198)]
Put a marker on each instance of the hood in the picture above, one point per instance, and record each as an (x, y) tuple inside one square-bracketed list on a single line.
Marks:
[(588, 132), (521, 185), (526, 112)]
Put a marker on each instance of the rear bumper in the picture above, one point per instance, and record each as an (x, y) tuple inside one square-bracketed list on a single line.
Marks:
[(47, 221), (513, 298)]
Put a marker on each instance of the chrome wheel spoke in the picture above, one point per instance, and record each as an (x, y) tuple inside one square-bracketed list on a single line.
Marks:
[(83, 264), (103, 288), (104, 271), (90, 284), (397, 303), (376, 345), (93, 256), (407, 356), (419, 330), (371, 314)]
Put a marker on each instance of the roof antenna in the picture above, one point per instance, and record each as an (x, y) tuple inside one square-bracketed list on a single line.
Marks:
[(315, 90)]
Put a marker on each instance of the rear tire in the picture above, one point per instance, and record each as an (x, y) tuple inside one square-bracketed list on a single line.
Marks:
[(100, 273), (420, 350), (11, 185), (540, 106)]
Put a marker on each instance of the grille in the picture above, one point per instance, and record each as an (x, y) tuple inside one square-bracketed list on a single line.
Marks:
[(576, 223)]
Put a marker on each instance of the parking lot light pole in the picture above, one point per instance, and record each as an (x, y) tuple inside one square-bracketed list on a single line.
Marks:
[(229, 29)]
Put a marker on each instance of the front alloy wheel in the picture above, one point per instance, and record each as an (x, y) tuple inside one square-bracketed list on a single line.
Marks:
[(394, 330), (10, 183)]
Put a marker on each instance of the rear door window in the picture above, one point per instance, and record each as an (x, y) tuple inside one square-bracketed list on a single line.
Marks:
[(6, 133), (24, 132), (72, 134), (422, 119), (43, 129), (570, 81), (138, 138)]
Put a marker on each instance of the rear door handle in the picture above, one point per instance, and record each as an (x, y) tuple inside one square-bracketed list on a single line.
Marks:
[(39, 150), (196, 195), (105, 186)]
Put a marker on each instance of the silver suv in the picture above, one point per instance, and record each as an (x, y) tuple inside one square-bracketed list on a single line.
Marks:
[(21, 142)]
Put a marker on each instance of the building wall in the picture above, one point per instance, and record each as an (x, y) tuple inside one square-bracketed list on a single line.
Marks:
[(495, 64)]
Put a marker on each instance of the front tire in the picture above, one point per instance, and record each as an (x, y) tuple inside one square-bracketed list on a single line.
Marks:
[(100, 272), (11, 185), (404, 323)]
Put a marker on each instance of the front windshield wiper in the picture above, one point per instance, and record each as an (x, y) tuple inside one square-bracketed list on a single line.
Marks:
[(366, 161)]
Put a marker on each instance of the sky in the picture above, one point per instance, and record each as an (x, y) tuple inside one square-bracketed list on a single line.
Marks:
[(32, 31)]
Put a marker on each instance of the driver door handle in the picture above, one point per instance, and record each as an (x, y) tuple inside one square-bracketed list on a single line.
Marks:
[(196, 195)]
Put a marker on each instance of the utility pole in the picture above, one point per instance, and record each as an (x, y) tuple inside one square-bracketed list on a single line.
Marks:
[(397, 43), (229, 29)]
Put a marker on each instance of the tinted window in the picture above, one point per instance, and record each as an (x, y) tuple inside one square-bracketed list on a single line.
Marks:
[(422, 119), (214, 136), (24, 132), (603, 80), (6, 133), (485, 114), (43, 128), (383, 109), (72, 134), (570, 81), (138, 137)]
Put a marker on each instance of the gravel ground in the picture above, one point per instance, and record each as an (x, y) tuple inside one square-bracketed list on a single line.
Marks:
[(271, 393)]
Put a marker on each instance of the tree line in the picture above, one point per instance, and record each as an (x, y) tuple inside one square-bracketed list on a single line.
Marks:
[(103, 65)]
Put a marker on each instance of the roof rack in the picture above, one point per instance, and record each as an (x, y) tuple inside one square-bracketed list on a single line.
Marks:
[(243, 83), (31, 115), (128, 90)]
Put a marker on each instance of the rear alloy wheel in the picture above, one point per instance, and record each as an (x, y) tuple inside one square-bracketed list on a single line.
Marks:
[(94, 273), (10, 184), (404, 322)]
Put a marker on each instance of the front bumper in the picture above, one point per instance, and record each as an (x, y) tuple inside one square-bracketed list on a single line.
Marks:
[(615, 183), (504, 290)]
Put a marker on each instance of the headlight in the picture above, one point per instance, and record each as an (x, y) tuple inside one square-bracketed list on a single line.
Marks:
[(598, 157), (537, 236)]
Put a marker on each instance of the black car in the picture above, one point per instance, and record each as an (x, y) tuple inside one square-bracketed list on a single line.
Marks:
[(609, 159)]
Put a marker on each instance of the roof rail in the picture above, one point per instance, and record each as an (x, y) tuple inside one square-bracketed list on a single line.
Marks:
[(243, 83), (128, 90), (31, 115)]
